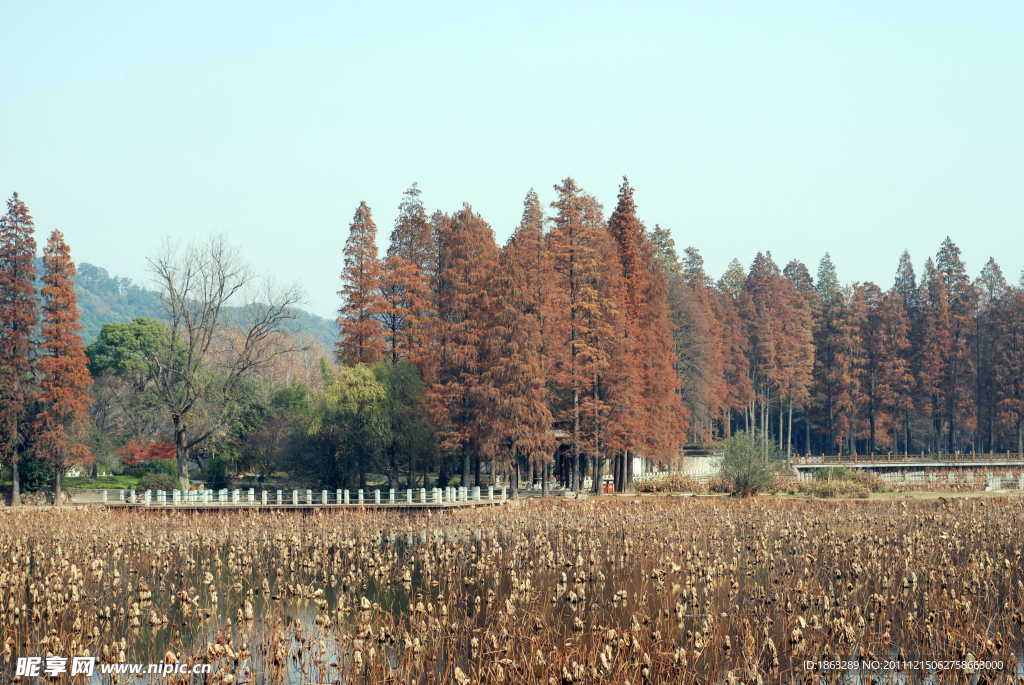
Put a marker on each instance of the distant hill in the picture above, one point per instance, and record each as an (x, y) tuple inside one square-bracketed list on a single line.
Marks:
[(103, 298)]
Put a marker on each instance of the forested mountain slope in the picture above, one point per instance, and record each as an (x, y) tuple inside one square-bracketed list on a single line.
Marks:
[(103, 298)]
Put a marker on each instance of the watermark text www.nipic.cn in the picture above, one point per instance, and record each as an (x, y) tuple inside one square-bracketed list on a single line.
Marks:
[(54, 666)]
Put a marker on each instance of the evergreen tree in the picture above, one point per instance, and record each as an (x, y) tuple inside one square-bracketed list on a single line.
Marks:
[(467, 255), (1008, 369), (516, 419), (959, 371), (833, 368), (573, 244), (19, 321), (62, 423), (361, 337), (990, 288), (405, 280)]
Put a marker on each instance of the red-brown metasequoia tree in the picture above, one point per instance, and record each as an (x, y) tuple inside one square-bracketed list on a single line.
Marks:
[(63, 419), (361, 338), (19, 321)]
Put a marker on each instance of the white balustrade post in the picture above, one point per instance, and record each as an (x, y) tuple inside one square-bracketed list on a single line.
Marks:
[(337, 496), (502, 493), (490, 493), (391, 496), (346, 497), (423, 495), (309, 497), (376, 496), (252, 495), (360, 493), (132, 500), (323, 498), (104, 496), (121, 495), (408, 496), (295, 498), (476, 494), (263, 497), (146, 498), (280, 498)]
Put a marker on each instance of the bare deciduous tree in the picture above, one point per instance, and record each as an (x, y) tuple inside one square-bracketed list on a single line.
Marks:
[(208, 289)]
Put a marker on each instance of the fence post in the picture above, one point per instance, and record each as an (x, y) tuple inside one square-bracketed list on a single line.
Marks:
[(337, 496), (264, 497), (490, 493), (104, 496), (391, 496), (502, 493), (323, 498), (346, 497), (476, 494), (408, 496), (295, 497), (423, 495)]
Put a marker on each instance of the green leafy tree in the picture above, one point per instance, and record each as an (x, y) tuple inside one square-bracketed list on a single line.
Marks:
[(744, 464), (346, 427)]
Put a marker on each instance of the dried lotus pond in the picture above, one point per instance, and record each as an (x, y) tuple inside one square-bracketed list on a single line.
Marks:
[(596, 591)]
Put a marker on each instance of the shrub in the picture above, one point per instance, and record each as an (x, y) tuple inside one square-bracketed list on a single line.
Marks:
[(216, 474), (719, 484), (837, 488), (745, 464), (667, 482), (832, 473), (138, 472), (870, 480), (156, 481), (165, 466)]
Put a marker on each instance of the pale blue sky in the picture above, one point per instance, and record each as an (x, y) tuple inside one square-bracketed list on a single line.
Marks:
[(857, 128)]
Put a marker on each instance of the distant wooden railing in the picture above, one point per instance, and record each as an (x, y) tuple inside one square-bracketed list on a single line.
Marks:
[(919, 458)]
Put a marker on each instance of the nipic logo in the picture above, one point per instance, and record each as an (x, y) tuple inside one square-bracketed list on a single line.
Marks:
[(55, 665)]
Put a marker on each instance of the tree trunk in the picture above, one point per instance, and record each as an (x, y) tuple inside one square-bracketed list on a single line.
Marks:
[(465, 468), (781, 416), (95, 470), (529, 474), (477, 476), (57, 474), (598, 471), (515, 478), (906, 428), (807, 429), (1020, 435), (182, 453), (15, 484), (789, 439), (629, 472)]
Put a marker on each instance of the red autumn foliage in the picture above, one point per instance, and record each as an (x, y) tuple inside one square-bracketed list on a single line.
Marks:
[(135, 453)]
